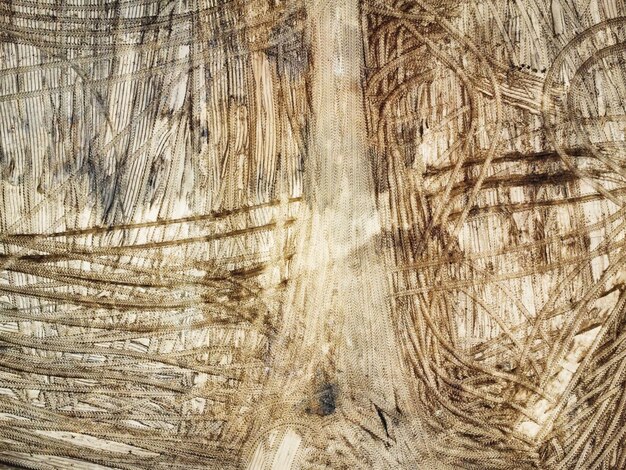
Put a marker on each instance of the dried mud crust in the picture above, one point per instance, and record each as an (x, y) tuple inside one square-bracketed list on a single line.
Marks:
[(312, 234)]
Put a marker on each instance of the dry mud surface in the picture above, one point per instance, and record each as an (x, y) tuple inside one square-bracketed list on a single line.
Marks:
[(313, 234)]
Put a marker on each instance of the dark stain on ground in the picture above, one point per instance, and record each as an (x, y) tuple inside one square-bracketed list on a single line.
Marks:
[(325, 401)]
